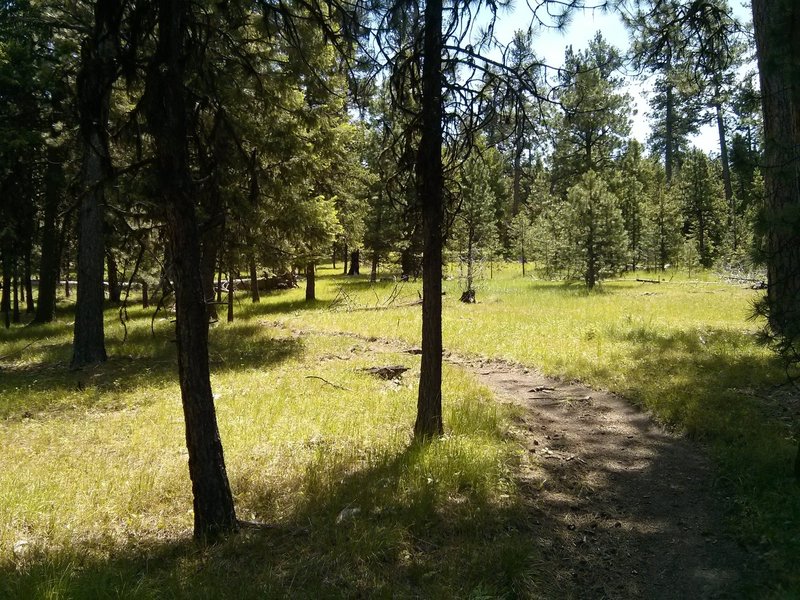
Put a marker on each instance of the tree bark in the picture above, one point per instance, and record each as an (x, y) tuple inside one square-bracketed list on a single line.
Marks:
[(30, 307), (373, 272), (778, 51), (231, 289), (113, 278), (430, 196), (5, 303), (165, 106), (15, 316), (97, 74), (54, 185), (255, 295), (51, 255), (668, 142), (355, 263), (311, 292), (145, 297), (344, 259)]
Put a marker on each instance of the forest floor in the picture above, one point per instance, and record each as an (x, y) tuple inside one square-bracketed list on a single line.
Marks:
[(621, 507)]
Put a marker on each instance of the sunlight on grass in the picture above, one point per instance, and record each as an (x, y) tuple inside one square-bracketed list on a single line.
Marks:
[(95, 497), (94, 478)]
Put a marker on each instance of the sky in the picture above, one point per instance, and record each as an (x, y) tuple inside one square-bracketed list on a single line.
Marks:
[(551, 43)]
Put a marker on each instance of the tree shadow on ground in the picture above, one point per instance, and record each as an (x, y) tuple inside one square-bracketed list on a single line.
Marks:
[(358, 532), (716, 384), (144, 360)]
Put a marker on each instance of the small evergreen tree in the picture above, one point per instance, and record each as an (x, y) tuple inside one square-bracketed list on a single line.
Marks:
[(596, 221)]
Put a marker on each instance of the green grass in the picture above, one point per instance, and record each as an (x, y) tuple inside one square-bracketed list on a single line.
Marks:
[(93, 471), (95, 480), (686, 349)]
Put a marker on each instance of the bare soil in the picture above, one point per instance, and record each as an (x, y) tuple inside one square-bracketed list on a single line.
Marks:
[(627, 509)]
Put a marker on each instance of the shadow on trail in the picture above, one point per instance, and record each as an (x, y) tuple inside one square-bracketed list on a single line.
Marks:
[(634, 508)]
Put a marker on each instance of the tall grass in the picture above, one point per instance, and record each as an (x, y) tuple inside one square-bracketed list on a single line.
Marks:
[(95, 498)]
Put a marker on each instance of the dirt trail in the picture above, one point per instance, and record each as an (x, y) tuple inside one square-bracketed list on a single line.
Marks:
[(621, 507), (630, 506)]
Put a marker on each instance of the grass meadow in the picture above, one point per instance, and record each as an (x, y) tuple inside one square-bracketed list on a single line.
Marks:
[(94, 491)]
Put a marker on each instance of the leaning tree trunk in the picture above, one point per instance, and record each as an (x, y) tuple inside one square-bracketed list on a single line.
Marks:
[(778, 53), (430, 196), (97, 74), (165, 106)]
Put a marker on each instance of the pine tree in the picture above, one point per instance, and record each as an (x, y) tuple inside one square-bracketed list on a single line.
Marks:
[(596, 221)]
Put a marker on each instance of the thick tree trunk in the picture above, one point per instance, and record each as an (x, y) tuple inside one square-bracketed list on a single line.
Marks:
[(165, 107), (778, 51), (255, 295), (430, 195), (97, 74), (311, 292)]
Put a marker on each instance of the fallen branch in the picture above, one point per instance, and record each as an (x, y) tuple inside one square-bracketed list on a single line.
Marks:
[(336, 385), (648, 280), (20, 351)]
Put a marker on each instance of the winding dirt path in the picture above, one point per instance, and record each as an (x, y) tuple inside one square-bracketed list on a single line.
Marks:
[(627, 509), (622, 508)]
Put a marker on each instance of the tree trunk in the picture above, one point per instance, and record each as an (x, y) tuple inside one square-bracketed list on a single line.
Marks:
[(97, 74), (373, 272), (210, 244), (355, 263), (5, 303), (15, 316), (51, 257), (113, 279), (231, 291), (430, 196), (30, 308), (778, 52), (668, 134), (333, 256), (219, 284), (255, 295), (165, 106), (344, 258), (516, 197), (145, 298), (311, 293), (54, 185)]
